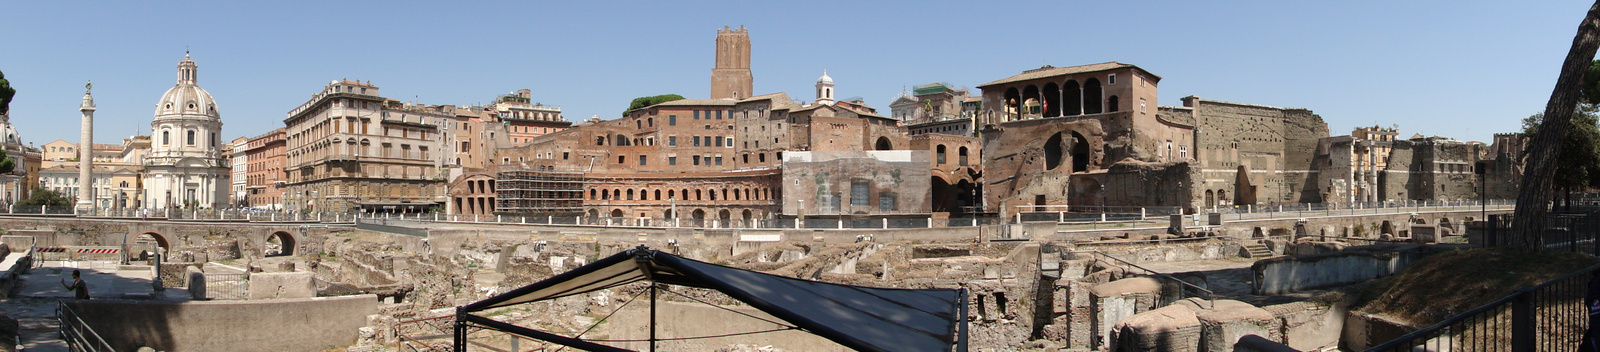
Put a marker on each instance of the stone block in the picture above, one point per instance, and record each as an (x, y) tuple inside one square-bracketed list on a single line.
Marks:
[(1310, 326), (197, 283), (1226, 321), (282, 285), (1424, 234), (1171, 328), (1116, 300)]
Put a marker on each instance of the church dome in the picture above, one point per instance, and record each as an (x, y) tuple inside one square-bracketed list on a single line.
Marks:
[(186, 98), (825, 79)]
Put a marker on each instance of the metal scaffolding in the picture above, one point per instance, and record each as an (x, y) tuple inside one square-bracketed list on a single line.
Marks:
[(526, 192)]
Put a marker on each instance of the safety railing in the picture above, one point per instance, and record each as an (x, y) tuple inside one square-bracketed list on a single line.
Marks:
[(78, 335), (228, 286), (1550, 316), (1189, 289)]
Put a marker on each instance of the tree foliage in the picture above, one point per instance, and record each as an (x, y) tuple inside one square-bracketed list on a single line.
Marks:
[(6, 92), (1578, 166), (46, 197), (7, 164), (651, 100)]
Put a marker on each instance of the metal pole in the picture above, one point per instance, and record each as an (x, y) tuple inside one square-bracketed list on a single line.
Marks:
[(653, 317)]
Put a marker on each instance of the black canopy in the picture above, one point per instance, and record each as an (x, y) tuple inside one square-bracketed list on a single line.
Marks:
[(861, 318)]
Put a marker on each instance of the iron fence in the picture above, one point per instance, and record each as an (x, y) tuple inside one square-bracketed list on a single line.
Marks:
[(1571, 232), (228, 286), (1550, 316)]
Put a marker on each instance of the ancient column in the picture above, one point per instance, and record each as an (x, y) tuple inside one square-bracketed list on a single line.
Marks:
[(86, 154)]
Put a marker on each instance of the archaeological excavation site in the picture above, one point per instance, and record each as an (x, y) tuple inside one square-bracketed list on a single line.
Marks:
[(1191, 283)]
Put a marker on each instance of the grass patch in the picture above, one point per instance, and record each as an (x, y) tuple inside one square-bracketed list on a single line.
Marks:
[(1447, 284)]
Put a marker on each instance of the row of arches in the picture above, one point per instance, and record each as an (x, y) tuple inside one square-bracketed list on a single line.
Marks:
[(1067, 99), (696, 214), (279, 243), (683, 194), (1217, 198)]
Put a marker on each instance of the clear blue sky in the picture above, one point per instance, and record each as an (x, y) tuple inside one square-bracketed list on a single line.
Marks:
[(1458, 69)]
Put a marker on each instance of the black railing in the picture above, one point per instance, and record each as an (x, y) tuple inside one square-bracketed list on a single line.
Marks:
[(76, 333), (1570, 232), (1550, 316)]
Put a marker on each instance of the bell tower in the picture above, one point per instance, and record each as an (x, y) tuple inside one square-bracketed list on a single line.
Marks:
[(730, 79)]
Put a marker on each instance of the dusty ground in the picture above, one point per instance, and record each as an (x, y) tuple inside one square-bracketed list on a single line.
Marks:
[(1433, 288)]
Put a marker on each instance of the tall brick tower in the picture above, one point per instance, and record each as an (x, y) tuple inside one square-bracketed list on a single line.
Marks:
[(731, 78)]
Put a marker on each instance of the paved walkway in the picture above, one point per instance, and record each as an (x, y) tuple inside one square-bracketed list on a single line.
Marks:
[(34, 305)]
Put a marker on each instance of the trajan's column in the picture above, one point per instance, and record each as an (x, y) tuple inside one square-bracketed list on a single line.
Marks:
[(86, 153)]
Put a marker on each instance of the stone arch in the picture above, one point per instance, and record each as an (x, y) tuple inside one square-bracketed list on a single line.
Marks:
[(1052, 152), (1222, 197), (279, 243), (1080, 153), (1052, 100), (1386, 228), (1031, 105), (594, 213), (747, 215), (699, 214), (725, 215), (1013, 102), (616, 213), (883, 144), (1073, 104), (148, 237)]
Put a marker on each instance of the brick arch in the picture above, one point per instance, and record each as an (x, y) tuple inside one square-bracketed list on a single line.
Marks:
[(161, 241), (286, 244)]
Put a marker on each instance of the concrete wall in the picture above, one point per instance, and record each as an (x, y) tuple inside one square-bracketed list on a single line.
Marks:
[(282, 285), (313, 324), (1281, 275)]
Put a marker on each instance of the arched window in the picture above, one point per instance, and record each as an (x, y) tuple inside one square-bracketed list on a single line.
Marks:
[(712, 194), (1091, 96), (697, 195), (1012, 103), (591, 194), (672, 194), (938, 154), (1052, 100), (630, 194), (191, 137), (1073, 102), (1113, 104), (1052, 152), (658, 194), (962, 154), (166, 138)]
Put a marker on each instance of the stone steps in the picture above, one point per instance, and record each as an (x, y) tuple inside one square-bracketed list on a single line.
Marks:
[(1257, 250)]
